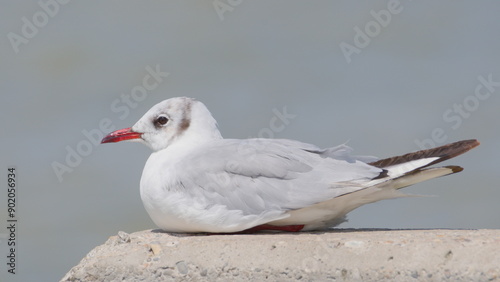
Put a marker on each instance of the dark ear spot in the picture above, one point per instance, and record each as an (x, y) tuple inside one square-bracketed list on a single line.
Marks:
[(186, 119), (184, 124)]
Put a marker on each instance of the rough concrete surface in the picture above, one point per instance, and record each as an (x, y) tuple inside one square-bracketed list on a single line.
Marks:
[(337, 255)]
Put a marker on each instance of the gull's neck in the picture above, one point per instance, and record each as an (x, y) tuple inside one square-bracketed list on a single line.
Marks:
[(202, 130)]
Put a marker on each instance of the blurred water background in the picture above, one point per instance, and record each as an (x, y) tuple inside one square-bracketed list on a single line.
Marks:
[(389, 77)]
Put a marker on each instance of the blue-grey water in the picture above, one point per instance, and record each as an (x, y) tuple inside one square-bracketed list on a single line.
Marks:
[(389, 77)]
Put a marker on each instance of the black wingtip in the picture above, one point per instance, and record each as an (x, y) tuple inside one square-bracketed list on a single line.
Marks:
[(444, 152), (455, 168)]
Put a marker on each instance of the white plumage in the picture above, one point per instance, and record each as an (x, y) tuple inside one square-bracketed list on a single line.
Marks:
[(196, 181)]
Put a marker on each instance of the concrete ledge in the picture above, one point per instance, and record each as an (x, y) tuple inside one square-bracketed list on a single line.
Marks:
[(341, 254)]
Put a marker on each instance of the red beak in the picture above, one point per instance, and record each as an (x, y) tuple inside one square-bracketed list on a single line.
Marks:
[(121, 135)]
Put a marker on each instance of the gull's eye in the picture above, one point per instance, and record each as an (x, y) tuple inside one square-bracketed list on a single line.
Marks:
[(161, 120)]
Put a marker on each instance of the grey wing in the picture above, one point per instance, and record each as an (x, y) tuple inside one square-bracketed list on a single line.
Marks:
[(257, 176)]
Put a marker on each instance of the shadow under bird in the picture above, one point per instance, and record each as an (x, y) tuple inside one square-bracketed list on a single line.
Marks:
[(196, 181)]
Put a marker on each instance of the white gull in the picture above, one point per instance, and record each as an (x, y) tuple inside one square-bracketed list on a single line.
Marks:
[(196, 181)]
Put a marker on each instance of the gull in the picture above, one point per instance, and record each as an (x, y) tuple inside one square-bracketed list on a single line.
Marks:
[(196, 181)]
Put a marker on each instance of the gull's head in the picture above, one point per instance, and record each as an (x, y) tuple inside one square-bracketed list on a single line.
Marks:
[(173, 120)]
